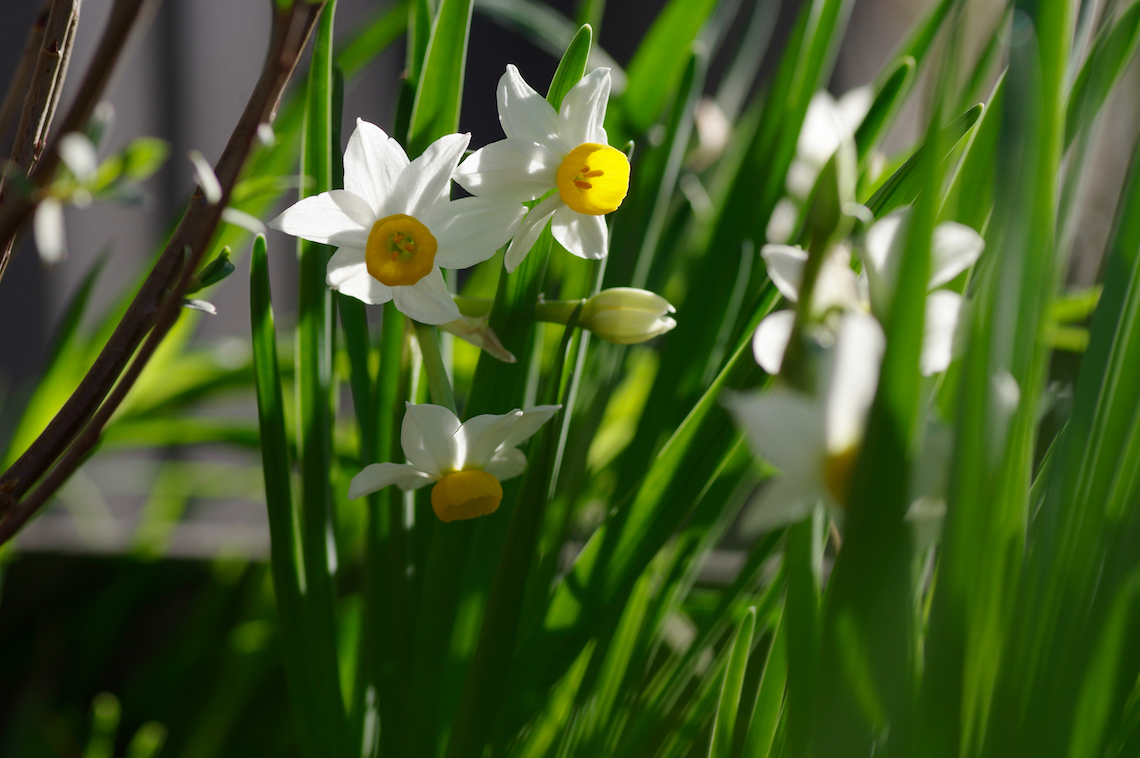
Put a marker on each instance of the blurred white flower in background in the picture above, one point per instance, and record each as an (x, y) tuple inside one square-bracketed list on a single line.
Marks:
[(395, 225), (467, 461), (813, 439), (827, 124), (565, 152), (954, 248)]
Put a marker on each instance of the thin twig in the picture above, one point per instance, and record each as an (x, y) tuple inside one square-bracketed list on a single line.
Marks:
[(158, 302), (14, 98), (16, 209), (47, 81)]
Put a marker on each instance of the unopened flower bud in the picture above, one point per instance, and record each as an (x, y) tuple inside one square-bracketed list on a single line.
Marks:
[(626, 316)]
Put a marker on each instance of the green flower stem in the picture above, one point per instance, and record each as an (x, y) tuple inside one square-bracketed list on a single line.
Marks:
[(438, 383), (474, 306), (548, 311)]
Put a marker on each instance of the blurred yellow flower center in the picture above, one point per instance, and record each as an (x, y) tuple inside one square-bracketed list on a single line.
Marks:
[(466, 494), (837, 470), (594, 179), (400, 250)]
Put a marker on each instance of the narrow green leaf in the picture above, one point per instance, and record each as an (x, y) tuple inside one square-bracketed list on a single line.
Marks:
[(571, 68), (314, 390), (375, 37), (1110, 55), (552, 721), (549, 30), (439, 89), (767, 709), (660, 58), (904, 185), (285, 541), (725, 723), (889, 98)]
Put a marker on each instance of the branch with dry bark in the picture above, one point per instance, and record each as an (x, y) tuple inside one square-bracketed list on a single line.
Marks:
[(75, 430)]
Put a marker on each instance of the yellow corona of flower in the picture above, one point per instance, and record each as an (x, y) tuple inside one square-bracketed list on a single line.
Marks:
[(395, 224), (562, 154), (467, 461)]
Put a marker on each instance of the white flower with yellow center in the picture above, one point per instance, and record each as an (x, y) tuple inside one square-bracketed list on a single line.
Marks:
[(813, 440), (394, 224), (564, 151), (467, 461), (954, 248)]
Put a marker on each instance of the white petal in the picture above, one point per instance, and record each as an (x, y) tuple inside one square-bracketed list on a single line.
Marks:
[(785, 268), (771, 338), (942, 307), (782, 224), (583, 235), (331, 218), (427, 301), (529, 230), (525, 114), (357, 282), (512, 169), (853, 107), (207, 179), (785, 428), (584, 109), (427, 437), (822, 130), (48, 228), (836, 285), (379, 475), (346, 263), (859, 345), (507, 464), (77, 152), (372, 164), (954, 249), (482, 435), (782, 501), (473, 228), (529, 422), (426, 181), (883, 255)]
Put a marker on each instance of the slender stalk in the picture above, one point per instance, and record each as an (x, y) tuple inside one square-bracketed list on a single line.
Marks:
[(438, 383), (124, 13), (19, 85), (165, 284)]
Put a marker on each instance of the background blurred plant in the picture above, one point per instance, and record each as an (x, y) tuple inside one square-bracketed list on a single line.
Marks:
[(584, 617)]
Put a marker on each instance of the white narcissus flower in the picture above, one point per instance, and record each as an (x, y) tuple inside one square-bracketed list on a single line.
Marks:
[(395, 225), (564, 151), (954, 248), (467, 461), (813, 440)]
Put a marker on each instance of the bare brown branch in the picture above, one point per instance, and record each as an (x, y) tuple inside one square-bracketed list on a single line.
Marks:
[(16, 208), (46, 83), (21, 80), (158, 302)]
